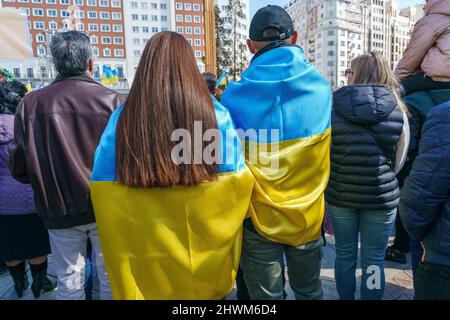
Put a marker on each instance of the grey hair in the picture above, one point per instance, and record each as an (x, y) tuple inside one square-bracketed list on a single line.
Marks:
[(71, 52)]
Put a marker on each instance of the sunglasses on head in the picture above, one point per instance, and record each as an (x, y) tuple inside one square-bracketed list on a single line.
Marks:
[(348, 72)]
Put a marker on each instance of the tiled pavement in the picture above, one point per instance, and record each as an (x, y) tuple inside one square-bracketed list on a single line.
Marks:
[(398, 277)]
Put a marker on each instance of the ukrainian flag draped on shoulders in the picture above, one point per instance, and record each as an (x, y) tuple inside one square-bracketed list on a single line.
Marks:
[(172, 243), (282, 91)]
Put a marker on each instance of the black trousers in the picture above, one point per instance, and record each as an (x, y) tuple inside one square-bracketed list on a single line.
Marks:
[(420, 82), (401, 240), (432, 282)]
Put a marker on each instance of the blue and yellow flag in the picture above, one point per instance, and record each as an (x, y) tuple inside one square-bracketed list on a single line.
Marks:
[(282, 94), (109, 76), (172, 243)]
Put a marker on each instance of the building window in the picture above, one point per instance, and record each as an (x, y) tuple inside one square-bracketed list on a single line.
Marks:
[(117, 28), (188, 30), (40, 38), (107, 52), (38, 12), (197, 19), (52, 13), (120, 72), (198, 42), (115, 3), (118, 40), (39, 25), (106, 40), (197, 31), (65, 13), (78, 2), (198, 54), (92, 14), (106, 28), (163, 6), (179, 18), (179, 6), (155, 30), (164, 18), (104, 15), (94, 39), (136, 41), (92, 3), (116, 16), (134, 5), (144, 17), (187, 7), (145, 29), (80, 26), (104, 3), (196, 7), (134, 17), (30, 73), (180, 30), (79, 14), (154, 18), (25, 11), (154, 6), (93, 27), (53, 25), (118, 53), (188, 18), (67, 2), (137, 53), (16, 72)]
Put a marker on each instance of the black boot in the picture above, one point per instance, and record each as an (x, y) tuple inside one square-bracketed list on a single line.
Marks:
[(40, 281), (20, 278)]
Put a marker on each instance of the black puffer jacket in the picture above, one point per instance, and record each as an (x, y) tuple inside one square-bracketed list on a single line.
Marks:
[(366, 126)]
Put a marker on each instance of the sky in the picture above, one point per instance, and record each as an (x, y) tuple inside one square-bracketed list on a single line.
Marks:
[(256, 4)]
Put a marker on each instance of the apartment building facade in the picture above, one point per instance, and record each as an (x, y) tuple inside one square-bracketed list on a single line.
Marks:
[(102, 20), (144, 18), (333, 32), (243, 23)]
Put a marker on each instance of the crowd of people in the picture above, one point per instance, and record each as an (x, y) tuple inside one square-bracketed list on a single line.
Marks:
[(80, 163)]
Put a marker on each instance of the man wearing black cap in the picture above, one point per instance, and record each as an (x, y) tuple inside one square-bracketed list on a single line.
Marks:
[(283, 95)]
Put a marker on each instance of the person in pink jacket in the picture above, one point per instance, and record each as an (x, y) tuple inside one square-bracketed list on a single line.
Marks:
[(426, 61)]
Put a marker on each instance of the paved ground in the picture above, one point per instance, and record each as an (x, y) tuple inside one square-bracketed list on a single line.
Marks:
[(398, 277)]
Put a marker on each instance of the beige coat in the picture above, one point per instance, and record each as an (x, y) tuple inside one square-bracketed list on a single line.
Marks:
[(429, 48)]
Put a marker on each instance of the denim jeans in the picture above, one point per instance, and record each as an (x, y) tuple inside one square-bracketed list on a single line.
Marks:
[(432, 282), (262, 264), (374, 227)]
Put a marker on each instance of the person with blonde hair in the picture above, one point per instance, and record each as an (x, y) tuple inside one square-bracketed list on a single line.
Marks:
[(369, 143)]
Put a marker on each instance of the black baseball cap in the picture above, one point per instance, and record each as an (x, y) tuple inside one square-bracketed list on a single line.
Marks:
[(271, 17)]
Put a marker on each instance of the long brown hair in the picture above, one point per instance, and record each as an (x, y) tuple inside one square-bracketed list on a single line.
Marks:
[(373, 68), (168, 93)]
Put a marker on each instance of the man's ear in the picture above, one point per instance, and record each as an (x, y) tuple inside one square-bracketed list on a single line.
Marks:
[(250, 46), (294, 38), (91, 66)]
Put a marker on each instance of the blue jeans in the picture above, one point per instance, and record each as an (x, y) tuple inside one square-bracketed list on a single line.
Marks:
[(374, 228)]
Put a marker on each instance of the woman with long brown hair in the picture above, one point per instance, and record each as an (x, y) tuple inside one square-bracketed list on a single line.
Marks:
[(169, 208), (369, 143)]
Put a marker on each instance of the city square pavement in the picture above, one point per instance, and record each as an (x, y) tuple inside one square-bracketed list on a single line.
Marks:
[(399, 285)]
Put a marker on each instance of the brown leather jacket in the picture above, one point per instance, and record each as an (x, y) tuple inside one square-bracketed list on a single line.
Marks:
[(56, 132), (429, 47)]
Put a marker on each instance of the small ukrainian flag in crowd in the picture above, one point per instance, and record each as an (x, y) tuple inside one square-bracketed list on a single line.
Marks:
[(29, 86), (109, 76)]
